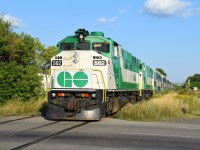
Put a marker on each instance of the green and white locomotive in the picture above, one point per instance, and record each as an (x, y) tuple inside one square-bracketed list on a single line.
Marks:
[(93, 76)]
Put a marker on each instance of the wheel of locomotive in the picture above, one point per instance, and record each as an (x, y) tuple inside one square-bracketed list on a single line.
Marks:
[(113, 105)]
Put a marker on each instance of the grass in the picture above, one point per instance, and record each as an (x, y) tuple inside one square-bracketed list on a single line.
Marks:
[(169, 106), (160, 107), (17, 107)]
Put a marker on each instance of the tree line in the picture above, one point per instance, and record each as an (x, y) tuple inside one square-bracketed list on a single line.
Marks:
[(22, 59), (192, 81)]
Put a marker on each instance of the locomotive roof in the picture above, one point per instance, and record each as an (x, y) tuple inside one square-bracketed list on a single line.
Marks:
[(93, 34)]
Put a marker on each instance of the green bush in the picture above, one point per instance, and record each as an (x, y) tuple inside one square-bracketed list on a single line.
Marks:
[(19, 68)]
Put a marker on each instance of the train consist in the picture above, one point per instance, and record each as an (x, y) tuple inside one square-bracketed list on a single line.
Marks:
[(93, 76)]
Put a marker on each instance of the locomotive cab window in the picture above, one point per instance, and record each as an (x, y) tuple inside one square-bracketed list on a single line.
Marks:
[(83, 46), (102, 47), (66, 46)]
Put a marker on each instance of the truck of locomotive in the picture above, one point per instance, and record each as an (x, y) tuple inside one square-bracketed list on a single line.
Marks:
[(93, 76)]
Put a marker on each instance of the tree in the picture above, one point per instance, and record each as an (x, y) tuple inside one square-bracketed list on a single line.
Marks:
[(18, 65), (44, 60), (194, 81), (161, 71), (5, 31)]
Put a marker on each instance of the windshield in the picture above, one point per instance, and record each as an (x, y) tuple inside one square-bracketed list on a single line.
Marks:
[(83, 46), (98, 46), (66, 46), (102, 47), (71, 46)]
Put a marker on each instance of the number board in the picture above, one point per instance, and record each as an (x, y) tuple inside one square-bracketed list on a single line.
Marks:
[(57, 63), (99, 63)]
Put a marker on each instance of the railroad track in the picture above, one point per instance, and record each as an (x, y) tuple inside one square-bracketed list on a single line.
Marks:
[(12, 132), (12, 120), (48, 137), (45, 125)]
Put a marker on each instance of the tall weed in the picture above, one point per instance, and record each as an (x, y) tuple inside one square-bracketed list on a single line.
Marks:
[(18, 107), (163, 107)]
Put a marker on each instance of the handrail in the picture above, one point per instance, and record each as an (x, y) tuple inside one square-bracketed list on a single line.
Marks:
[(104, 86), (140, 85)]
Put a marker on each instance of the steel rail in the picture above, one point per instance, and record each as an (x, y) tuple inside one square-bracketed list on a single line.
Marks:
[(47, 137)]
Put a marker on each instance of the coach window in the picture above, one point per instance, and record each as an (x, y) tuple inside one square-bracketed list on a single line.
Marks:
[(66, 46), (164, 80), (101, 47), (158, 76), (83, 46)]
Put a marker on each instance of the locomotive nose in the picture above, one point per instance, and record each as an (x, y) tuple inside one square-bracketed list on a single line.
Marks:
[(70, 59)]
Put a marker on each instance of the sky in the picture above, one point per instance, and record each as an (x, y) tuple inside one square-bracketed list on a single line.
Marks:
[(162, 33)]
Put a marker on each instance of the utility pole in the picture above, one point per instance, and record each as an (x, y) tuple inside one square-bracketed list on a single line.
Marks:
[(188, 84)]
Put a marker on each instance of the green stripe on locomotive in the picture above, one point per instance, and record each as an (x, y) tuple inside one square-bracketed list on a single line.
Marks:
[(147, 75), (129, 64), (149, 83)]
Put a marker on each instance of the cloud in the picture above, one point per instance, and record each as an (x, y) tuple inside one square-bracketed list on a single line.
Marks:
[(124, 10), (163, 8), (15, 22), (190, 12), (111, 21), (104, 20)]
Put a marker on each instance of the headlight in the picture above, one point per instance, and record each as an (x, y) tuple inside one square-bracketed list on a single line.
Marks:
[(75, 61), (93, 95), (53, 95)]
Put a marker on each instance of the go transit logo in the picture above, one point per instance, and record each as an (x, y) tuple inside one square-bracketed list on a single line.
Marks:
[(79, 79)]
